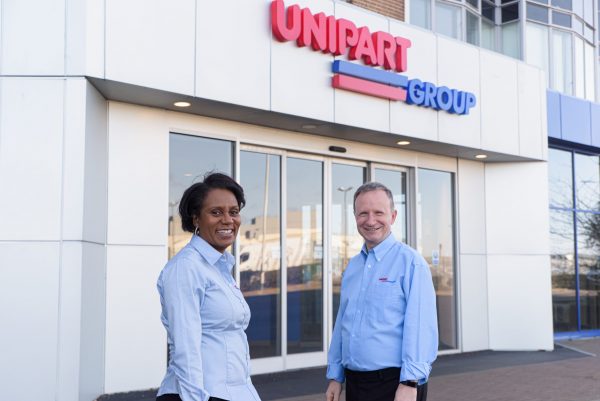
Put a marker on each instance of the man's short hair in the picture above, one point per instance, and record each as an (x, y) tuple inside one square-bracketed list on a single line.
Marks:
[(373, 186)]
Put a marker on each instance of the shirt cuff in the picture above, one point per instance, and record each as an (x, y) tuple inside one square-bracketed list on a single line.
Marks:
[(415, 371), (335, 372)]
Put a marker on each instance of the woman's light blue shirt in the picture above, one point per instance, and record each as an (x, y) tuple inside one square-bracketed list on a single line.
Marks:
[(205, 315)]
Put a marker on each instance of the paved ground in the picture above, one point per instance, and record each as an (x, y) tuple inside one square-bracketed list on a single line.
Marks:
[(570, 373)]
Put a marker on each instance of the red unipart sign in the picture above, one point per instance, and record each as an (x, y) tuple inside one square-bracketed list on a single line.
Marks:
[(336, 35)]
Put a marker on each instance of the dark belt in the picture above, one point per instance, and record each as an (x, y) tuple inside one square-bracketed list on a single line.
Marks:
[(371, 375)]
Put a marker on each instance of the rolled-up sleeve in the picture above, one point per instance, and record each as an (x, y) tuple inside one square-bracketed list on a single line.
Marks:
[(420, 334), (182, 292)]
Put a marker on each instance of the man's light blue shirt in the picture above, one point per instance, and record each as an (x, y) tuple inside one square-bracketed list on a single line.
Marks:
[(205, 315), (387, 316)]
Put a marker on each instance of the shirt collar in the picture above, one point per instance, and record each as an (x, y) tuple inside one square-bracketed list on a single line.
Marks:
[(209, 253), (382, 248)]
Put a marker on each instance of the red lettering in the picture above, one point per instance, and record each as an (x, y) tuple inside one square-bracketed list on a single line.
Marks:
[(331, 35), (347, 35), (285, 31), (314, 30), (402, 47), (364, 48), (386, 50)]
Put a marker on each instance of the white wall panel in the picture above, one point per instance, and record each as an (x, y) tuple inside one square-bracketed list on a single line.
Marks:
[(31, 140), (138, 175), (75, 38), (531, 113), (135, 338), (471, 207), (356, 109), (73, 159), (96, 167), (405, 119), (69, 321), (28, 339), (517, 208), (33, 37), (235, 67), (94, 37), (499, 110), (93, 321), (474, 303), (301, 77), (457, 69), (151, 43), (520, 302)]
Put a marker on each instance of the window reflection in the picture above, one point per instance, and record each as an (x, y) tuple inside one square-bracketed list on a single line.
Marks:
[(588, 257), (436, 244), (587, 181), (560, 175), (345, 240), (304, 255), (562, 259), (190, 157), (396, 182), (260, 250)]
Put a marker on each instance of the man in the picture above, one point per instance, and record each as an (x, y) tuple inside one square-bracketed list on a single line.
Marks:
[(385, 336)]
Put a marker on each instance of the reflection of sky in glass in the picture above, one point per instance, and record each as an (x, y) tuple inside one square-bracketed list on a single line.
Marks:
[(561, 241), (560, 178), (253, 171), (396, 182), (587, 181), (349, 178)]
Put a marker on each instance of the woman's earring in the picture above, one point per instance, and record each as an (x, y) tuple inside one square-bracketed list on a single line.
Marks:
[(197, 231)]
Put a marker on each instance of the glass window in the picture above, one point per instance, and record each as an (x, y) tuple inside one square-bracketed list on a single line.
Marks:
[(537, 13), (577, 25), (510, 12), (304, 253), (190, 158), (436, 243), (587, 182), (536, 47), (345, 239), (588, 33), (488, 10), (588, 258), (588, 12), (474, 3), (579, 68), (448, 20), (472, 29), (590, 83), (510, 40), (260, 250), (562, 62), (488, 36), (560, 178), (561, 19), (578, 7), (564, 4), (420, 13), (562, 262)]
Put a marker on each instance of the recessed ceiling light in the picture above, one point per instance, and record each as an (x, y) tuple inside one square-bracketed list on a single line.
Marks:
[(182, 104), (309, 126), (403, 143), (187, 174), (481, 156)]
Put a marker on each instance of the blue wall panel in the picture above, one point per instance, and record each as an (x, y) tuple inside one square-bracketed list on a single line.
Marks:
[(575, 120), (553, 100), (596, 124)]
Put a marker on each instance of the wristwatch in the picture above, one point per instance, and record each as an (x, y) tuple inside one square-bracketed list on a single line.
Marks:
[(410, 383)]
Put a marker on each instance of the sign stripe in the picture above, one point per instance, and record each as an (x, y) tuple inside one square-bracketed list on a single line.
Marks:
[(369, 73), (368, 88)]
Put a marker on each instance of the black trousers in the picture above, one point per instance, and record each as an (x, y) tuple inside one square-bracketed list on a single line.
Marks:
[(377, 385), (175, 397)]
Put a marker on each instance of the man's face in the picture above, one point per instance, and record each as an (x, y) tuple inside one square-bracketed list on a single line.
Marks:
[(374, 216)]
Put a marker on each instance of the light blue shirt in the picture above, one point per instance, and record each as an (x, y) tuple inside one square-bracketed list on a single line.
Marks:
[(205, 315), (387, 316)]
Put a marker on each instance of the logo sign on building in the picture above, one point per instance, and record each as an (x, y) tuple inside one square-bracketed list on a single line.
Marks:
[(384, 56)]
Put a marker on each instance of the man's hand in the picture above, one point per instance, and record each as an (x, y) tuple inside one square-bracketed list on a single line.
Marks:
[(405, 393), (334, 389)]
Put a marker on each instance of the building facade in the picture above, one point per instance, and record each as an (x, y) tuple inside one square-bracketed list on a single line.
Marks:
[(109, 110)]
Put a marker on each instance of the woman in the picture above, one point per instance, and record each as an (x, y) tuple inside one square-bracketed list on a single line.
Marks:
[(203, 310)]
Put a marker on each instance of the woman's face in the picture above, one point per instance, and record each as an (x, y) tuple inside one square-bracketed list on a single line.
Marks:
[(219, 220)]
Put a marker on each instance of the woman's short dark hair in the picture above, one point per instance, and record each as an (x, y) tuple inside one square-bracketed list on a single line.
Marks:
[(193, 198)]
